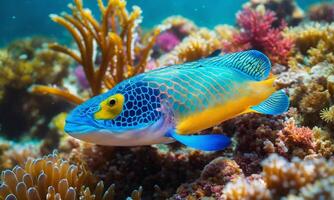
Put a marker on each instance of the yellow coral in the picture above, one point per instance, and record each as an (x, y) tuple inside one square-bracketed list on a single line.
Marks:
[(324, 143), (116, 36), (198, 45), (50, 178), (19, 70), (327, 114), (313, 40)]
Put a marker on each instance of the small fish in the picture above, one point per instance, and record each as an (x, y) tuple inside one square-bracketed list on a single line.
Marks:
[(176, 102)]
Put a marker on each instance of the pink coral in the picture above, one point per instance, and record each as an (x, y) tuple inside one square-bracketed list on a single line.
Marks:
[(167, 41), (257, 32)]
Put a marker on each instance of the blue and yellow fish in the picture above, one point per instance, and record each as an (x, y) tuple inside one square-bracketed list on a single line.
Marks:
[(176, 102)]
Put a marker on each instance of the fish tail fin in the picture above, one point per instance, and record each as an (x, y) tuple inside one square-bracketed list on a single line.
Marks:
[(212, 142), (276, 104)]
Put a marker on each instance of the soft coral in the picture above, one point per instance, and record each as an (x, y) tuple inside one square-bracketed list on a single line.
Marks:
[(257, 32)]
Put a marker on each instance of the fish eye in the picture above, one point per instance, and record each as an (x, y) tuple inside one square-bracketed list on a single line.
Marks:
[(112, 102)]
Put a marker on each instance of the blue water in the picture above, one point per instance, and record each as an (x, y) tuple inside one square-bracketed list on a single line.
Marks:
[(21, 18)]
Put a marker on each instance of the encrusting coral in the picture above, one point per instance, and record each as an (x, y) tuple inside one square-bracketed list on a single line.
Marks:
[(313, 44), (118, 45), (257, 32)]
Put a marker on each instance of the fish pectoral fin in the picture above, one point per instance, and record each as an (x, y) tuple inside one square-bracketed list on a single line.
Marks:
[(276, 104), (202, 142)]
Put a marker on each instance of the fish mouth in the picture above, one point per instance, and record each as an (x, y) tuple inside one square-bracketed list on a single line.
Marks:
[(78, 128)]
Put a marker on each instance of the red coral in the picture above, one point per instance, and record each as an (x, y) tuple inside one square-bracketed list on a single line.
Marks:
[(257, 32), (300, 140)]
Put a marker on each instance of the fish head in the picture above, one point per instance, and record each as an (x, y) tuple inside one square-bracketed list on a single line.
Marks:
[(117, 116)]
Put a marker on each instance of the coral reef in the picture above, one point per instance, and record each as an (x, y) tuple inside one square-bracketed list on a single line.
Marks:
[(321, 12), (313, 44), (24, 63), (197, 45), (289, 156), (50, 177), (159, 170), (287, 10), (116, 36), (257, 32), (283, 179)]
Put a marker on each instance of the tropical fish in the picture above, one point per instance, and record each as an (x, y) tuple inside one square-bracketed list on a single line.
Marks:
[(176, 102)]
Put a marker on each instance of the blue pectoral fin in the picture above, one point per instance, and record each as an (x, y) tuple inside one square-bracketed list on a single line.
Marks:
[(202, 142), (276, 104)]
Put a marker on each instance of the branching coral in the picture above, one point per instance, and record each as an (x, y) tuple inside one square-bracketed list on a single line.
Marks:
[(257, 32), (116, 37), (243, 189), (298, 141)]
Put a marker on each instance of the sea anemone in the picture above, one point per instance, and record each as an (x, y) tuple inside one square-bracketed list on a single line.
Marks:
[(51, 178), (327, 114)]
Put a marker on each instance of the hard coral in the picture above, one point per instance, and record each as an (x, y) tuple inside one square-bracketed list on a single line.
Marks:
[(243, 189), (313, 44), (298, 141), (116, 35), (257, 32), (280, 179), (324, 142)]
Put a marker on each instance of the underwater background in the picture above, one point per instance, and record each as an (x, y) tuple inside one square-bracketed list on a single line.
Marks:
[(49, 65), (20, 18)]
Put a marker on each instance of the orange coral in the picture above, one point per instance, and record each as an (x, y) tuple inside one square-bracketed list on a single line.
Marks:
[(50, 178), (116, 38)]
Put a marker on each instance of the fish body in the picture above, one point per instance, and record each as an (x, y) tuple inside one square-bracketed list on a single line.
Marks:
[(175, 102)]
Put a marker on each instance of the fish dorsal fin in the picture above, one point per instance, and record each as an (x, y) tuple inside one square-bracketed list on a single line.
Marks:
[(252, 62)]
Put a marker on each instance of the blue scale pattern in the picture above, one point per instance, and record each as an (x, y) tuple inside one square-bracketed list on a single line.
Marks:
[(141, 105)]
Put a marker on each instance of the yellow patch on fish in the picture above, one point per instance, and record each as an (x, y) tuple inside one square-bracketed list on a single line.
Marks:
[(110, 108), (254, 93)]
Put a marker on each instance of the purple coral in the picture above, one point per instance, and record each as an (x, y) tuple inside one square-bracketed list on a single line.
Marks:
[(81, 77), (167, 41), (258, 32)]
